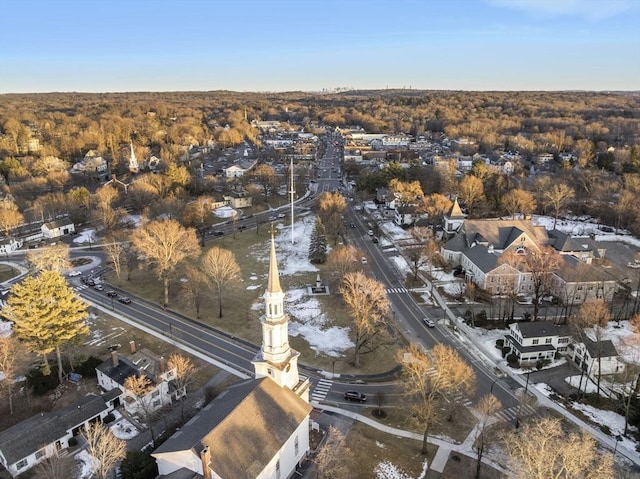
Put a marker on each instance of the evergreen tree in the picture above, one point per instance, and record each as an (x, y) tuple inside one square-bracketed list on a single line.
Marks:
[(47, 314), (318, 244)]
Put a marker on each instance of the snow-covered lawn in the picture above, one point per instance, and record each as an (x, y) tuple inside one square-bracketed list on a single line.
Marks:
[(225, 212), (122, 428), (626, 342), (613, 420), (86, 236), (585, 386), (85, 461)]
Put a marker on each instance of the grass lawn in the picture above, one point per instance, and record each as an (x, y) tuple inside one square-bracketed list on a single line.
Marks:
[(242, 304)]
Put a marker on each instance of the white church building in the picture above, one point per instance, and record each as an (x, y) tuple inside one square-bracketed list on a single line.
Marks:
[(257, 428)]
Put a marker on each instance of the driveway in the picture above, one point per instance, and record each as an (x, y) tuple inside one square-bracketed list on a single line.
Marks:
[(554, 377)]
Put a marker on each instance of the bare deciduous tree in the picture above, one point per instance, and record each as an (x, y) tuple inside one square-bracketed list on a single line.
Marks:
[(105, 449), (51, 258), (184, 371), (222, 270), (558, 197), (56, 468), (194, 287), (343, 260), (13, 358), (140, 387), (331, 208), (542, 450), (164, 244), (332, 459), (434, 379), (484, 411), (368, 305), (518, 201), (471, 191), (115, 247), (594, 315)]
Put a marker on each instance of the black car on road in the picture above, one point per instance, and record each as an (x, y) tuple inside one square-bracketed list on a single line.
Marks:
[(355, 396)]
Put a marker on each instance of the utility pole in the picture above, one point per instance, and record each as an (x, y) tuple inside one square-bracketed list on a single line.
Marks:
[(292, 193)]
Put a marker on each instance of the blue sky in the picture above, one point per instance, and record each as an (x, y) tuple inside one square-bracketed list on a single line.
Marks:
[(282, 45)]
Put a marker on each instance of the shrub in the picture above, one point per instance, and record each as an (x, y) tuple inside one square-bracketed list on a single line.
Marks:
[(109, 418), (606, 429), (512, 359), (73, 442), (542, 363), (499, 343), (87, 368), (505, 351), (41, 384)]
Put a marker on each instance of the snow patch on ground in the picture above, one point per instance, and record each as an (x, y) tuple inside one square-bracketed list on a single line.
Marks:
[(5, 329), (309, 321), (251, 287), (623, 338), (225, 212), (122, 428), (613, 420), (387, 470), (85, 461), (85, 236), (545, 389), (586, 386)]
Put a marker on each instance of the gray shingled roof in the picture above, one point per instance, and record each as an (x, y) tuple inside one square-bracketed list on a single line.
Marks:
[(607, 349), (33, 434), (571, 269), (482, 258), (52, 225), (244, 427), (539, 329), (123, 370), (500, 233), (530, 349)]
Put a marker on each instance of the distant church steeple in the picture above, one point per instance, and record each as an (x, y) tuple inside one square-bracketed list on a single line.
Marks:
[(276, 358), (133, 161), (454, 218)]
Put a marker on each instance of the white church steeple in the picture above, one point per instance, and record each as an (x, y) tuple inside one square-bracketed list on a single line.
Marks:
[(133, 161), (276, 358)]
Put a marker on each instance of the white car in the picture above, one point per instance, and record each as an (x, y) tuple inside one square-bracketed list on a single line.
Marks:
[(364, 260), (370, 232), (74, 273), (429, 323)]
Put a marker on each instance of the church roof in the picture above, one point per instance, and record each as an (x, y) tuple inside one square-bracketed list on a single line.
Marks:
[(501, 233), (273, 285), (455, 211), (244, 427)]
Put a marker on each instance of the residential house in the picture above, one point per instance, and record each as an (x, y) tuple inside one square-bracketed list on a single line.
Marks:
[(9, 245), (585, 355), (240, 169), (583, 248), (238, 199), (55, 229), (576, 282), (46, 434), (537, 340), (162, 386)]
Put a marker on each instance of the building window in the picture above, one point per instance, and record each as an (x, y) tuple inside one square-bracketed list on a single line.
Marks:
[(41, 453), (535, 341), (22, 464), (547, 341), (563, 340), (278, 469), (296, 446), (155, 394), (156, 403)]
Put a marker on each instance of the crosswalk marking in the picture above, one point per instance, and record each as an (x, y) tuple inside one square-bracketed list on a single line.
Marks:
[(397, 290), (80, 288), (510, 414), (321, 390)]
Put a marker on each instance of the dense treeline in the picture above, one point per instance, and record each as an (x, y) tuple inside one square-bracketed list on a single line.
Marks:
[(602, 130)]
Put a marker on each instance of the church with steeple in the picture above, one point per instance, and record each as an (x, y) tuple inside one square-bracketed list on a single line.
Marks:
[(258, 428), (276, 359)]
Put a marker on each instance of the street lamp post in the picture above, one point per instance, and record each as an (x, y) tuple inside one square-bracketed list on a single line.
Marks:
[(333, 369)]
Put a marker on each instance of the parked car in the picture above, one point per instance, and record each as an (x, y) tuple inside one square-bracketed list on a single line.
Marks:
[(370, 232), (355, 396), (112, 294), (374, 239), (429, 323), (364, 260), (124, 299)]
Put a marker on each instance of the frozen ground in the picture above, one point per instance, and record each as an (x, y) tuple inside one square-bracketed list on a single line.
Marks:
[(86, 236), (84, 460), (306, 316), (122, 428), (623, 338), (614, 421)]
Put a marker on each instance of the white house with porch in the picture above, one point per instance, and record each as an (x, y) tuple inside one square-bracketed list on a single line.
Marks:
[(537, 340)]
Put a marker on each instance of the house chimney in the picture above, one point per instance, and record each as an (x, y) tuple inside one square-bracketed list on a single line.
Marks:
[(163, 365), (114, 358), (205, 457), (132, 346)]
